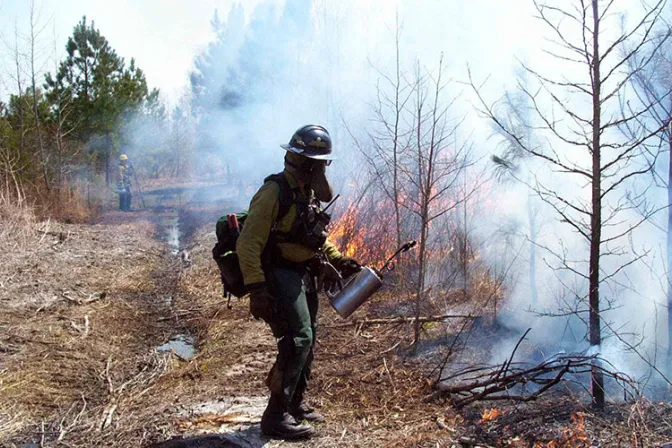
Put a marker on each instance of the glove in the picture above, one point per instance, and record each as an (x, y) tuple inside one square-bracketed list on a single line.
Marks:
[(330, 279), (347, 266), (263, 306), (262, 303)]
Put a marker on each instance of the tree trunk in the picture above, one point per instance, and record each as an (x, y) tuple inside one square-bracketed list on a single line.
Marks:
[(532, 222), (423, 225), (108, 157), (44, 157), (22, 140), (465, 248), (421, 279), (395, 186), (597, 379), (59, 149)]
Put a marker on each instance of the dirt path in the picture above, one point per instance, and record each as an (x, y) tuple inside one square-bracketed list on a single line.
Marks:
[(87, 311), (81, 308)]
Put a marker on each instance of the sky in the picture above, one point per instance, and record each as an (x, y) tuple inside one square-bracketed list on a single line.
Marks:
[(162, 35)]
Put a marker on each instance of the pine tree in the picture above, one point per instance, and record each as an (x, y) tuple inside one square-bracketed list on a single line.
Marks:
[(100, 88)]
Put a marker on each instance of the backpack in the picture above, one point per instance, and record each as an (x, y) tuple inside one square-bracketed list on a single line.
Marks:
[(228, 229)]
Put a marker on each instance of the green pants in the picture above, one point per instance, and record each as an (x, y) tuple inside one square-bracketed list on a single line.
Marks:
[(125, 198), (296, 327)]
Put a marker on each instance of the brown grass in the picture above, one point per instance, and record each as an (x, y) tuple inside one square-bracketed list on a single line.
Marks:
[(18, 224), (53, 362), (366, 381)]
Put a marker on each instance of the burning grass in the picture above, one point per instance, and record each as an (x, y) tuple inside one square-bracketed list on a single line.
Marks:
[(491, 414), (574, 436), (367, 233)]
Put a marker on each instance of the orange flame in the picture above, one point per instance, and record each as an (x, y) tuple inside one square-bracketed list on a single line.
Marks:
[(491, 414), (366, 233), (572, 437)]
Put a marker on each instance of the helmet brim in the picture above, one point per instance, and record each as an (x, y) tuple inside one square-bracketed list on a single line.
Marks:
[(303, 153)]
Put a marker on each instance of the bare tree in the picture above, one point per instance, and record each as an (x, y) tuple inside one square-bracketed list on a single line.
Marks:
[(513, 163), (182, 139), (652, 84), (416, 159), (388, 141), (435, 163), (583, 142), (61, 109), (35, 30), (18, 77)]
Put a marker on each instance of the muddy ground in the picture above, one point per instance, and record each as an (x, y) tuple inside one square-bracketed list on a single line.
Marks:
[(115, 334)]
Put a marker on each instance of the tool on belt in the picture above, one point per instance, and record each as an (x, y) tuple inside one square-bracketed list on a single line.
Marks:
[(347, 297)]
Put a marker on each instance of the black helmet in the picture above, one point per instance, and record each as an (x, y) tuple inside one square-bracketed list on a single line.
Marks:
[(312, 141)]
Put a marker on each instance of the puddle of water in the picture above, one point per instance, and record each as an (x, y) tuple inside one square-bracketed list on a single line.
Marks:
[(174, 238), (181, 345), (170, 224)]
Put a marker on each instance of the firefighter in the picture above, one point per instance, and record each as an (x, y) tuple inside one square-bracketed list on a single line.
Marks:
[(278, 262), (124, 184)]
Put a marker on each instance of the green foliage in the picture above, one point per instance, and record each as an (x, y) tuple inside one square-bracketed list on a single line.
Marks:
[(100, 91), (92, 107), (97, 83), (18, 123)]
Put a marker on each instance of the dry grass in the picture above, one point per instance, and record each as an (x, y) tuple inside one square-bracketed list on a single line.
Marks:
[(78, 202), (18, 224), (103, 384), (78, 325)]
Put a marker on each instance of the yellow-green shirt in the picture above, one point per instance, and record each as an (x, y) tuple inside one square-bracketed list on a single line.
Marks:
[(262, 214), (125, 173)]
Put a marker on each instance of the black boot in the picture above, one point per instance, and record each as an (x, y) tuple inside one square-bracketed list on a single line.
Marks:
[(276, 422), (304, 412), (301, 411)]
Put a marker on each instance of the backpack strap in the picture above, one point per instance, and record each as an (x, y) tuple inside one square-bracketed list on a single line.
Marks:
[(285, 197)]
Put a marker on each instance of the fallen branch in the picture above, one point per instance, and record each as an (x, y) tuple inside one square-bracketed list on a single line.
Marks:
[(496, 382), (399, 320)]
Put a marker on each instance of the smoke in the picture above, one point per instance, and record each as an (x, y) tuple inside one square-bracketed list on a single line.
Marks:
[(306, 61), (273, 68)]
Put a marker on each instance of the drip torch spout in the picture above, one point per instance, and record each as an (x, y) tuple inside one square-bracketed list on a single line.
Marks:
[(331, 203), (389, 264)]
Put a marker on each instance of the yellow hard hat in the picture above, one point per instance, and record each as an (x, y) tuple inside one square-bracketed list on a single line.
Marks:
[(123, 157)]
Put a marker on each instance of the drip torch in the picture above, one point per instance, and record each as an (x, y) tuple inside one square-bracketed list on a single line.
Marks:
[(346, 298)]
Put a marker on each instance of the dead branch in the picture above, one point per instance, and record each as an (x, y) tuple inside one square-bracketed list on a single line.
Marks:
[(496, 382), (399, 320)]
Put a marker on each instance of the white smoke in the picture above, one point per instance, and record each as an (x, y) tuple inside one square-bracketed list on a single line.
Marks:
[(279, 65)]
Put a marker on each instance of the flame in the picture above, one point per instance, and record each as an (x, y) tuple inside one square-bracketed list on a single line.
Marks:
[(491, 414), (573, 437), (365, 232)]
